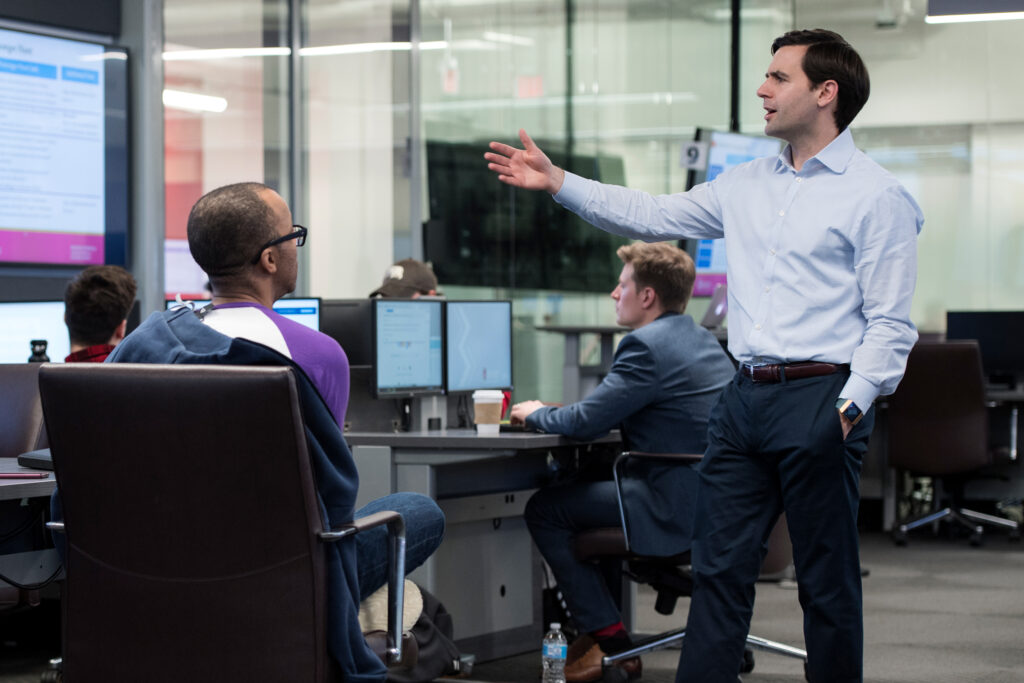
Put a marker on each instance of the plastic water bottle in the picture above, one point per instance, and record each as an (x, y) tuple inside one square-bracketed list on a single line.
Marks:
[(553, 654)]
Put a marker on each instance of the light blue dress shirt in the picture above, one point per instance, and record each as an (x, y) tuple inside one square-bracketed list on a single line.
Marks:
[(822, 261)]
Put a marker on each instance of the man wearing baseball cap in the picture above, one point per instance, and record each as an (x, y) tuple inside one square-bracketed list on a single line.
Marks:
[(407, 279)]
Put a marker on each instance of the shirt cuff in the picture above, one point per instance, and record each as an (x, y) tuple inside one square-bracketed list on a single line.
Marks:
[(860, 391), (534, 419), (573, 192)]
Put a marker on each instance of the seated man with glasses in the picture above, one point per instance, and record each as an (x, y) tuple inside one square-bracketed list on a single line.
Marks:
[(242, 236)]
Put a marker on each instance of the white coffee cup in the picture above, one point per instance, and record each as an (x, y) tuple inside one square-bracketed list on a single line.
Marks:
[(487, 410)]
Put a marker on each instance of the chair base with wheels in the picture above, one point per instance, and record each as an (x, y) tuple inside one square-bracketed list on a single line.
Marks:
[(670, 578), (968, 518)]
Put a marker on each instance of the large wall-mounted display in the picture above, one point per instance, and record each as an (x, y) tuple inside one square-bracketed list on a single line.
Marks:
[(64, 132), (484, 233)]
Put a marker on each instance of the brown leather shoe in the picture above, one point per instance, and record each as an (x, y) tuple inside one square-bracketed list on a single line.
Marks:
[(579, 648), (587, 668)]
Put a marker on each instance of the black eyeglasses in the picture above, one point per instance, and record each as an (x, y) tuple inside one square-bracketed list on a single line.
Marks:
[(298, 234)]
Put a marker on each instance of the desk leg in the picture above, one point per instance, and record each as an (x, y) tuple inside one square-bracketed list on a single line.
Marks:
[(375, 473), (571, 371), (420, 479)]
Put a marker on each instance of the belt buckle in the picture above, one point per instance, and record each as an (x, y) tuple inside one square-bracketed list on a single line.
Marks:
[(750, 370)]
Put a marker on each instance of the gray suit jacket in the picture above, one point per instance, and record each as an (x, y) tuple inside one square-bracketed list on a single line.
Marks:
[(664, 380)]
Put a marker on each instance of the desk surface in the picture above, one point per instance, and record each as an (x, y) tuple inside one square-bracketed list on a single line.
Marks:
[(462, 439), (1005, 395), (12, 489)]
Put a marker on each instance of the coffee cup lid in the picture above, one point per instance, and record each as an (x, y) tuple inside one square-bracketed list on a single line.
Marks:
[(488, 395)]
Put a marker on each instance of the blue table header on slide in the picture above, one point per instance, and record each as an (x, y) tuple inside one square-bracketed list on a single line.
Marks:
[(70, 73), (14, 66)]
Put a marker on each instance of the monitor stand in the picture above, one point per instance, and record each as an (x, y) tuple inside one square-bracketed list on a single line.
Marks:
[(429, 413)]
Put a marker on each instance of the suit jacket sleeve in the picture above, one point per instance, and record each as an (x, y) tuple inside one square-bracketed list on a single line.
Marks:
[(630, 385)]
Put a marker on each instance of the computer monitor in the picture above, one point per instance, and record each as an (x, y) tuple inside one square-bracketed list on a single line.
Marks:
[(725, 150), (407, 347), (350, 323), (999, 335), (23, 321), (305, 311), (478, 345), (717, 308)]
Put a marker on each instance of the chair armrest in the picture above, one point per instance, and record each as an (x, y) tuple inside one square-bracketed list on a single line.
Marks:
[(396, 569), (55, 526)]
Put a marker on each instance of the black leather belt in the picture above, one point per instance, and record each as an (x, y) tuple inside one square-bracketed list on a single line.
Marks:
[(779, 372)]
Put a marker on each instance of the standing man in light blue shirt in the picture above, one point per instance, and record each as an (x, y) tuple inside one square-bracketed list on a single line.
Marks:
[(821, 245)]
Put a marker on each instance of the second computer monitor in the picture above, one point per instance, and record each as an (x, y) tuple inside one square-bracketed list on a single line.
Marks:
[(478, 338), (407, 345)]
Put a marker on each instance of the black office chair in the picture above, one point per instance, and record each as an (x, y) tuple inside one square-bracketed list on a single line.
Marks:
[(668, 575), (938, 428), (195, 535), (22, 536)]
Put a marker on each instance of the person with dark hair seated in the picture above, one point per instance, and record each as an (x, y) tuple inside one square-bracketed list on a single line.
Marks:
[(243, 237), (96, 306), (667, 374)]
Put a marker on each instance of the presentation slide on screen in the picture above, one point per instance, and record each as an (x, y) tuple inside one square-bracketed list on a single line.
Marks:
[(52, 133), (725, 151), (408, 346)]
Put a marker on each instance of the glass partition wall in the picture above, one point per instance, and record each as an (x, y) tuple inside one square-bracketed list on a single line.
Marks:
[(375, 125)]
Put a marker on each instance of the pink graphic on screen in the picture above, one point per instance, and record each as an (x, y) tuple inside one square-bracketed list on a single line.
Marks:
[(23, 246)]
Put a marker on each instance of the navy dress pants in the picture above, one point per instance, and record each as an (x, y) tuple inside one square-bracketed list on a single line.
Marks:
[(554, 515), (775, 447)]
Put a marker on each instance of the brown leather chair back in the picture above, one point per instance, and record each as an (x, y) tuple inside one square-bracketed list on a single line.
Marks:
[(191, 520), (21, 416), (938, 424)]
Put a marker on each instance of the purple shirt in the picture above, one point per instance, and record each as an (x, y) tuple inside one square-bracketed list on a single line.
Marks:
[(319, 356)]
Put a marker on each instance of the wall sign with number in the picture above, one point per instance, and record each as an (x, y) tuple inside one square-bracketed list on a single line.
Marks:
[(694, 156)]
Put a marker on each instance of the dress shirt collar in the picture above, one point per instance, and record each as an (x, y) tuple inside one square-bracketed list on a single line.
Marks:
[(835, 156)]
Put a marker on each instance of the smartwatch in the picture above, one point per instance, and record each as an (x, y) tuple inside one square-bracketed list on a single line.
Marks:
[(849, 410)]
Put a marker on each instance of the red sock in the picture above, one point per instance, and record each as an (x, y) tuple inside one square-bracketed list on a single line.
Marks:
[(609, 631)]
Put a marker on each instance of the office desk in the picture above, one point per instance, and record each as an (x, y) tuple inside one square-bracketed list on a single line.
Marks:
[(487, 571), (579, 380), (14, 489)]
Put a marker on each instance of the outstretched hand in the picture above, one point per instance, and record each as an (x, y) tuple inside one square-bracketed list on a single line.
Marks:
[(528, 168)]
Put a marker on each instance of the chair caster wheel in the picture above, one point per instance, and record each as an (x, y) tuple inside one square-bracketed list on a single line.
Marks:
[(748, 661), (899, 538)]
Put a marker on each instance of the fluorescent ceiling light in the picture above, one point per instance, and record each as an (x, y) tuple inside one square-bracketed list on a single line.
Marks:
[(194, 102), (363, 48), (960, 11), (105, 55), (508, 39), (225, 53), (967, 18), (318, 51)]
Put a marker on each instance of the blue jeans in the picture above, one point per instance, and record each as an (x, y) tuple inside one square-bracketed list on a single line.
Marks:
[(424, 529), (554, 515)]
